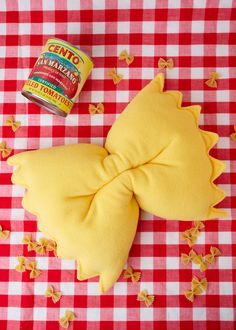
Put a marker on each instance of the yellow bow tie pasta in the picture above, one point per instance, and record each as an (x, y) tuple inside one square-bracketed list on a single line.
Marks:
[(87, 198)]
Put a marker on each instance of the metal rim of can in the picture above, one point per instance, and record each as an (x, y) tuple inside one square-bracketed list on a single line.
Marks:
[(44, 104)]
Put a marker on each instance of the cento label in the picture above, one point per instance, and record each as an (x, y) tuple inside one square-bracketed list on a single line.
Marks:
[(59, 74)]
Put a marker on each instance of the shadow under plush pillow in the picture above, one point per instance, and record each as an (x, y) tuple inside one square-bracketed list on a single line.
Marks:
[(87, 198)]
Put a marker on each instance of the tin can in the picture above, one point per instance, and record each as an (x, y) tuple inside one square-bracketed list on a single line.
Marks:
[(57, 77)]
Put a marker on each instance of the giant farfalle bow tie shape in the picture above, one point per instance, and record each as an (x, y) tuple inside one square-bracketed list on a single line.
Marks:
[(87, 198)]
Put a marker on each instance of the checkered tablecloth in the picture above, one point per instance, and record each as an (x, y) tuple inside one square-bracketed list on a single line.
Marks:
[(200, 36)]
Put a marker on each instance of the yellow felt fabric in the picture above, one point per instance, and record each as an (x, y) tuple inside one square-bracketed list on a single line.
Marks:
[(87, 197)]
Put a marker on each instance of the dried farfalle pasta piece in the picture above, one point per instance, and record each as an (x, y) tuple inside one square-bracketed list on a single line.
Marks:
[(4, 234), (68, 317), (187, 258), (199, 260), (10, 121), (34, 271), (190, 236), (5, 150), (52, 246), (165, 64), (198, 225), (146, 298), (51, 293), (233, 135), (116, 77), (190, 294), (210, 258), (41, 247), (212, 82), (130, 273), (31, 245), (129, 58), (93, 109), (199, 286), (21, 267)]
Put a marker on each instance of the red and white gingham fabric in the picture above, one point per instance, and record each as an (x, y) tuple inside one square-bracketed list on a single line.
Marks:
[(200, 36)]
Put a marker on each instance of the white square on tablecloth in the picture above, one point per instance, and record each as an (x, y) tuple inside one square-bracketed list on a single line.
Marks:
[(226, 314), (93, 314), (172, 262), (146, 314), (197, 96), (172, 288), (222, 50), (223, 143), (172, 50), (25, 5), (14, 288), (226, 288), (225, 4), (199, 314), (223, 26), (225, 262), (197, 50), (146, 237), (98, 27), (172, 314), (3, 29), (223, 119), (39, 313), (148, 26), (98, 4), (149, 4), (25, 28), (97, 119), (197, 26), (40, 288), (73, 27), (222, 95), (123, 27), (49, 28), (148, 50), (93, 289), (20, 143), (224, 237), (197, 73), (199, 4), (122, 96), (172, 27), (148, 73), (67, 288), (98, 51), (73, 5), (17, 191), (172, 237), (120, 288), (146, 262), (97, 73), (49, 4), (14, 313), (119, 314), (174, 4), (123, 4)]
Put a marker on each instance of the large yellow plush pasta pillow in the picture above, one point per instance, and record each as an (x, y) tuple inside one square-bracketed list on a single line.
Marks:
[(87, 198)]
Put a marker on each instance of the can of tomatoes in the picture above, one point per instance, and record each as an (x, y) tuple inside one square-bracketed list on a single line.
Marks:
[(58, 76)]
